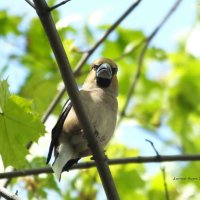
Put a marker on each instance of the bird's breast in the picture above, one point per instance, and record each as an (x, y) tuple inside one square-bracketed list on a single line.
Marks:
[(101, 110)]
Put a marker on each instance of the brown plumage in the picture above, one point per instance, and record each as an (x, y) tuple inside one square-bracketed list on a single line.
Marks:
[(99, 97)]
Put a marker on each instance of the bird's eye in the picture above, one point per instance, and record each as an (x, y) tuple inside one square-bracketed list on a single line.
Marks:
[(95, 67), (114, 70)]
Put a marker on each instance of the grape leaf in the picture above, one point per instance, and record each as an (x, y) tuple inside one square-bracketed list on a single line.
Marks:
[(18, 126)]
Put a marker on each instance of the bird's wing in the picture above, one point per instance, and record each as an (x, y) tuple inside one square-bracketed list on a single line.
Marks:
[(56, 131)]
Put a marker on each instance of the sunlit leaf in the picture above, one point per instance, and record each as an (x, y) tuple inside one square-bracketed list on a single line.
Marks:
[(18, 126)]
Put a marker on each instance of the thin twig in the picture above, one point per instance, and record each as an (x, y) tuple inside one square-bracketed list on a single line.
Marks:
[(141, 58), (134, 82), (161, 168), (165, 182), (30, 3), (53, 104), (58, 5), (154, 148), (8, 195), (117, 161)]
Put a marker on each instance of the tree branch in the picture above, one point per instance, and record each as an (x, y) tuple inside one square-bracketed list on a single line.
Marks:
[(117, 161), (58, 5), (30, 3), (141, 57), (162, 169), (152, 145), (165, 182), (53, 104), (7, 195), (70, 84)]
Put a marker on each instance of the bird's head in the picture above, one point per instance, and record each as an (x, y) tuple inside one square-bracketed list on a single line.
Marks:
[(103, 75)]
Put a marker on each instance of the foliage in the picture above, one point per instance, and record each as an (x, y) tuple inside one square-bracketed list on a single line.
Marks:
[(18, 126), (166, 95)]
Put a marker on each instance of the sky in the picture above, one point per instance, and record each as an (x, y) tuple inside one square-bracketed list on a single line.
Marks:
[(145, 17), (94, 13)]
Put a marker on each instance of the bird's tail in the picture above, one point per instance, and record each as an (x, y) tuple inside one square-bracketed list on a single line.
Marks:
[(65, 155)]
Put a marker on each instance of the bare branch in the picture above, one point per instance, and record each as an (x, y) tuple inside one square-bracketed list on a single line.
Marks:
[(58, 5), (154, 148), (117, 161), (70, 84), (53, 104), (141, 57), (7, 195), (134, 82), (30, 3), (162, 170)]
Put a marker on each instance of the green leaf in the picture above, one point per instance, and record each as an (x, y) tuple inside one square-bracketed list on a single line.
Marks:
[(72, 51), (128, 181), (190, 172), (88, 34), (9, 24), (18, 126), (156, 53), (184, 99), (4, 94)]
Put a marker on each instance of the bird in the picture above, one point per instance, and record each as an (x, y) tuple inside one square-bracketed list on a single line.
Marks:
[(99, 97)]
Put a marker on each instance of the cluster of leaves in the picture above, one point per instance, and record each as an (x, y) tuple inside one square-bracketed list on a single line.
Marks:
[(171, 98)]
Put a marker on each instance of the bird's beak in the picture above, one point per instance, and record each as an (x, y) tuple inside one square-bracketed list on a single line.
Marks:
[(104, 71)]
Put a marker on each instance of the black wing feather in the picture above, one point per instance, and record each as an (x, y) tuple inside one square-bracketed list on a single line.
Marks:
[(56, 131)]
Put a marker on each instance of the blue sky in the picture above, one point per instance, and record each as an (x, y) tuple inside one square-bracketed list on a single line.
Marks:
[(145, 17)]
